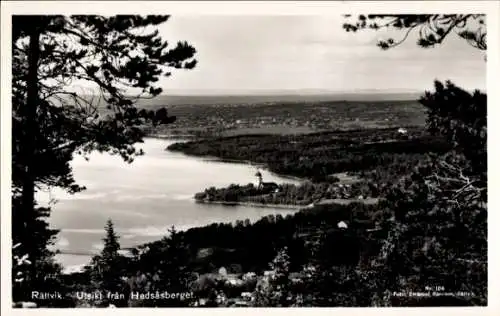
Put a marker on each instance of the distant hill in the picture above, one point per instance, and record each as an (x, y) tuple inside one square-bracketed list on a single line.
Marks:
[(249, 99), (254, 98)]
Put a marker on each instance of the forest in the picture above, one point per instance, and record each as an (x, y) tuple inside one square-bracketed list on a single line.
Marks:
[(318, 157)]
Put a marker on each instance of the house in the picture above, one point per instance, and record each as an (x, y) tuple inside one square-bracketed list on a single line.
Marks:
[(269, 186), (222, 272), (342, 225), (402, 131), (266, 186)]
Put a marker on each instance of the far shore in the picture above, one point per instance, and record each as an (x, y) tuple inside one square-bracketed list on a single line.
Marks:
[(171, 136), (252, 204), (368, 201)]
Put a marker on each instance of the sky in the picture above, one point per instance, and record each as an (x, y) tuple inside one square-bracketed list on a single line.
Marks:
[(241, 54)]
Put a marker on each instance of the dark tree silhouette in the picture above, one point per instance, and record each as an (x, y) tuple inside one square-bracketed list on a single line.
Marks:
[(107, 268), (437, 233), (276, 292), (432, 29), (120, 58), (111, 244), (461, 117), (165, 268)]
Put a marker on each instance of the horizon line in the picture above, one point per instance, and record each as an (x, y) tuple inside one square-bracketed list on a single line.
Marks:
[(264, 92)]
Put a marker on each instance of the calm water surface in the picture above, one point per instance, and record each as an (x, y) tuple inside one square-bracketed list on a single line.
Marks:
[(144, 198)]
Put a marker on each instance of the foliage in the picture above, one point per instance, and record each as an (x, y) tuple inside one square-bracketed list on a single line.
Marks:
[(165, 267), (289, 194), (436, 215), (120, 59), (254, 245), (110, 54), (33, 266), (233, 193), (439, 216), (275, 291), (461, 117), (437, 235), (107, 268), (432, 29), (319, 156), (339, 286)]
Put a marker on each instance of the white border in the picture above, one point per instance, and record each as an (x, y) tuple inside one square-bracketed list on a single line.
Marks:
[(492, 8)]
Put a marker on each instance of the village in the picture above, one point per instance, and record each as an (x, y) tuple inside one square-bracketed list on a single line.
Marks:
[(291, 117)]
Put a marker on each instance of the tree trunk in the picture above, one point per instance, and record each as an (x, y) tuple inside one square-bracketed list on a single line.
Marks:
[(29, 114)]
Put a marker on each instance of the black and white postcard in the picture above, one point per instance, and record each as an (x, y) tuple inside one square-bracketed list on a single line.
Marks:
[(264, 154)]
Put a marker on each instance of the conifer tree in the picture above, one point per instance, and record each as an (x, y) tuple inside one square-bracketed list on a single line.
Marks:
[(437, 229), (166, 268), (276, 290), (433, 29), (174, 273), (121, 59), (108, 267)]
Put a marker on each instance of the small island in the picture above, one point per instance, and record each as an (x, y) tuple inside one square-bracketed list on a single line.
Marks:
[(264, 194), (288, 195)]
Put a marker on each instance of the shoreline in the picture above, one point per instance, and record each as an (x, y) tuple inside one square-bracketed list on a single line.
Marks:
[(367, 201), (186, 137), (253, 204)]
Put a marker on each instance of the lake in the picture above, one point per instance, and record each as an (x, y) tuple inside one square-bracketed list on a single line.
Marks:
[(144, 199)]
